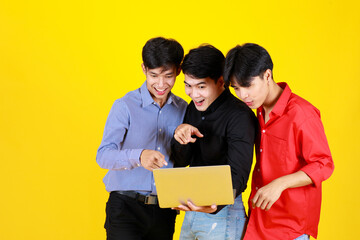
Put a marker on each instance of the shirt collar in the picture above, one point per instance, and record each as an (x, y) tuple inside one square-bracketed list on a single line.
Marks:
[(217, 102), (283, 100), (148, 100)]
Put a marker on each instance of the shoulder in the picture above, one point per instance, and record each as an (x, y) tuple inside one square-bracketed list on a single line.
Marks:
[(181, 103), (237, 107), (131, 96), (301, 109), (237, 113), (128, 100)]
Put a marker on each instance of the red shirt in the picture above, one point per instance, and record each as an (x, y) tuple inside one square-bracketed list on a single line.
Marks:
[(293, 139)]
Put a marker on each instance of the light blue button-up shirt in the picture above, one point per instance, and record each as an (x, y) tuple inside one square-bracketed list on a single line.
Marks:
[(136, 122)]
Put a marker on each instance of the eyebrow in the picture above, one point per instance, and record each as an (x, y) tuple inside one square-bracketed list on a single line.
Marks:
[(169, 73), (195, 84)]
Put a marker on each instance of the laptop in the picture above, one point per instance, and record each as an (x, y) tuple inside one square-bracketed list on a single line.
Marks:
[(204, 186)]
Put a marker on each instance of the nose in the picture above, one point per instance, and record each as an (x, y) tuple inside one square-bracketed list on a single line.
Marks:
[(195, 93), (161, 81), (243, 93)]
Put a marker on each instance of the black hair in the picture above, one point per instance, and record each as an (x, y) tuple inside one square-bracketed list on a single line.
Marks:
[(204, 61), (245, 62), (162, 52)]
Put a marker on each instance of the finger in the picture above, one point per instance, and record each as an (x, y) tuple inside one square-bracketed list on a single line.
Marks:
[(269, 206), (192, 140), (183, 139), (254, 200), (188, 135), (192, 206), (197, 133), (155, 166), (259, 202), (161, 160), (180, 138), (263, 205), (183, 208)]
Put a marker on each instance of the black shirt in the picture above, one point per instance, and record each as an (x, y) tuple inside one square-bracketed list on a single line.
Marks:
[(229, 129)]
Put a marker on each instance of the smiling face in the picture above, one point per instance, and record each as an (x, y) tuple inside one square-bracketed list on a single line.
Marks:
[(159, 82), (203, 91), (255, 95)]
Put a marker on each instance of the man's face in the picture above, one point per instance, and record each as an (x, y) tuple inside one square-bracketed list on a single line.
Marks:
[(159, 82), (203, 91), (255, 95)]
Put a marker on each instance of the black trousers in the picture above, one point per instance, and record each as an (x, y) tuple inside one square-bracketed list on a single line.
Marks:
[(129, 219)]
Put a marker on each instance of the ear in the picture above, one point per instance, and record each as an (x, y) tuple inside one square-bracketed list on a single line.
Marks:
[(178, 71), (143, 68), (220, 81), (268, 75)]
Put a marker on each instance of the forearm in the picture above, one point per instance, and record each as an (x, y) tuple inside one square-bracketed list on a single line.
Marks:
[(180, 154), (114, 159), (294, 180)]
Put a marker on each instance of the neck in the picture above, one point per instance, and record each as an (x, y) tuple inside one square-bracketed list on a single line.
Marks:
[(273, 96)]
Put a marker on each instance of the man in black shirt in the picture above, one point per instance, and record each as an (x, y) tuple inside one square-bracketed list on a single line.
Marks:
[(218, 129)]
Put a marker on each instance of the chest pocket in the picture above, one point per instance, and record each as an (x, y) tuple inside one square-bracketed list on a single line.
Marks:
[(276, 149), (213, 150)]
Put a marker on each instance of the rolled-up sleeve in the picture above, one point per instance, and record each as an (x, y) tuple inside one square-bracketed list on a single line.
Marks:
[(315, 150)]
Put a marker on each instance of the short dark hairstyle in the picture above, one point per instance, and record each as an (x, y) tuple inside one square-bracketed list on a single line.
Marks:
[(204, 61), (162, 52), (245, 62)]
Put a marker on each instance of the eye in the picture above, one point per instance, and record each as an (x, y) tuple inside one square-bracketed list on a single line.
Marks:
[(169, 76), (153, 75), (201, 87)]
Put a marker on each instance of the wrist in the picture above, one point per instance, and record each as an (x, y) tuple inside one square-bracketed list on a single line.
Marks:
[(281, 183)]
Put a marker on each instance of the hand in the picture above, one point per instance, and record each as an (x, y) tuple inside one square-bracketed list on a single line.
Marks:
[(184, 132), (266, 196), (151, 159), (192, 207)]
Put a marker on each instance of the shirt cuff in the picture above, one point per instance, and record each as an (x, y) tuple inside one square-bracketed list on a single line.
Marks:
[(314, 172), (134, 158)]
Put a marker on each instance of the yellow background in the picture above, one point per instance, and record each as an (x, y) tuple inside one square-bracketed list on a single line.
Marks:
[(63, 63)]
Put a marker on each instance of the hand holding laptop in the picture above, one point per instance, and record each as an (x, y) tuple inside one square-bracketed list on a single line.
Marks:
[(192, 207)]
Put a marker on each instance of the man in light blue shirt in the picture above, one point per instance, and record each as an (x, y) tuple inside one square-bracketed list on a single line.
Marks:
[(136, 140)]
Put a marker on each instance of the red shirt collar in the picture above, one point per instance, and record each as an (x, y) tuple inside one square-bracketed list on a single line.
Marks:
[(281, 103)]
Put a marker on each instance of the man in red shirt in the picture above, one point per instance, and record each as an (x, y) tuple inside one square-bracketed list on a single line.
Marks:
[(293, 156)]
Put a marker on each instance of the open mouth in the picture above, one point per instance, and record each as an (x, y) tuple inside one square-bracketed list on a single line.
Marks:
[(199, 103), (160, 91)]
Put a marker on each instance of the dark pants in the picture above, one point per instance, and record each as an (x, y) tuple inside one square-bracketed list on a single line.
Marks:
[(127, 218)]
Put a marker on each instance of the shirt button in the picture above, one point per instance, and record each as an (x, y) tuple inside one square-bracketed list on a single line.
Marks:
[(158, 148), (256, 188), (160, 112), (259, 113), (160, 130), (260, 149), (258, 169), (263, 131), (202, 118), (138, 164)]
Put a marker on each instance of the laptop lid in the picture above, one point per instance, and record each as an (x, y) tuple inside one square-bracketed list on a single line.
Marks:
[(204, 186)]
